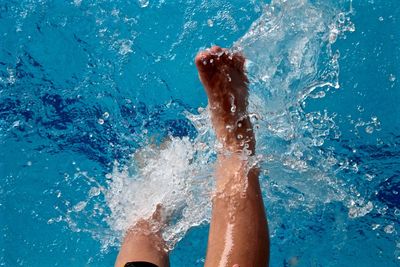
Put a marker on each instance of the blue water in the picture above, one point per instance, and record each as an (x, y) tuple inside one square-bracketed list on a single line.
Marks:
[(85, 84)]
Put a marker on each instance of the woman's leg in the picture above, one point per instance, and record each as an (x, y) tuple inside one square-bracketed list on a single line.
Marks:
[(238, 233), (144, 245)]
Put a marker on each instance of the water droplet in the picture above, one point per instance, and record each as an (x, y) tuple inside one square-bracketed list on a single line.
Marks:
[(375, 226), (77, 2), (16, 124), (320, 94), (144, 3), (333, 35), (369, 129), (318, 142), (397, 212), (94, 191), (389, 229), (369, 177), (80, 206), (229, 128), (210, 23), (341, 17)]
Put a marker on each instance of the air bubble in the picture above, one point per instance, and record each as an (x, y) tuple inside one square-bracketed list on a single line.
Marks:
[(210, 23), (380, 18), (100, 121), (392, 78), (233, 109)]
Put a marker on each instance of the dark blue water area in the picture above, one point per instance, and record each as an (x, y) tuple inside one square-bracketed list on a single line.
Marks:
[(79, 84)]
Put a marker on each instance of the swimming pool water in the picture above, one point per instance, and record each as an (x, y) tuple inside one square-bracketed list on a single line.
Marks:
[(85, 84)]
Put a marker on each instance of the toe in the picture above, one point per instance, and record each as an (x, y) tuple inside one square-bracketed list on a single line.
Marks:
[(216, 49), (205, 61), (200, 59)]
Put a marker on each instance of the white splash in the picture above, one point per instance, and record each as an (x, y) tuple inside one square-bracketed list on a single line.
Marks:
[(177, 175)]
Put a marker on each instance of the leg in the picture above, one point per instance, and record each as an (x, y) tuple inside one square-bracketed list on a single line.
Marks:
[(238, 232), (143, 243)]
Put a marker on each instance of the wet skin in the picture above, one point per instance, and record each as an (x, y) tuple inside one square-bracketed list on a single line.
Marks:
[(238, 230)]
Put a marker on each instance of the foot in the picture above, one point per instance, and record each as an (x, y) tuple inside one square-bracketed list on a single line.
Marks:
[(223, 76)]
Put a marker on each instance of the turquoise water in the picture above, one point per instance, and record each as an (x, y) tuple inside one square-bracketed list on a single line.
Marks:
[(102, 116)]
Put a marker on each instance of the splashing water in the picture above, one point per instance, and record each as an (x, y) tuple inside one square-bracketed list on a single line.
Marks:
[(177, 174), (122, 141), (289, 58), (286, 48)]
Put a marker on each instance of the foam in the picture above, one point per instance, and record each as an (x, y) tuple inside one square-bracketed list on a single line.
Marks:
[(177, 174)]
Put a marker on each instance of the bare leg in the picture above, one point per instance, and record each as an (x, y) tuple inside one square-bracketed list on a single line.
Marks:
[(238, 232), (143, 243)]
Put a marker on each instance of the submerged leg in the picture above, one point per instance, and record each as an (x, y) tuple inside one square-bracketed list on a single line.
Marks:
[(238, 232), (143, 245)]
